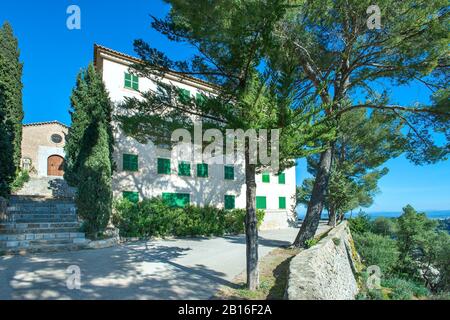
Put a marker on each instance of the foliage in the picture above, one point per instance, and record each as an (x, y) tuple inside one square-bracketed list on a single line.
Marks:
[(155, 217), (89, 150), (11, 109), (22, 177), (402, 289), (377, 250), (384, 226), (360, 224), (311, 242)]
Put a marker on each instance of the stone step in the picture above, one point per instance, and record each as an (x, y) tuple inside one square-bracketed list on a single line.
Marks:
[(48, 225), (38, 200), (38, 230), (44, 248), (44, 219), (41, 208), (40, 236), (11, 244)]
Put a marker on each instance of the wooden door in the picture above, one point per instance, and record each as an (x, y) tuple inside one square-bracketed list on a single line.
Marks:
[(55, 166)]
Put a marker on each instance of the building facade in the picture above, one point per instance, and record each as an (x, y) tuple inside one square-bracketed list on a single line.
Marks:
[(145, 170), (43, 148)]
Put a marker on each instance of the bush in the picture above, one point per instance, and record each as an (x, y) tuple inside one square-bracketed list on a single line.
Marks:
[(384, 226), (21, 178), (402, 289), (377, 250), (155, 217), (360, 224)]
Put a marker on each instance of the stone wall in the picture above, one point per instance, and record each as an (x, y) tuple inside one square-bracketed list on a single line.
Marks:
[(326, 270), (3, 206)]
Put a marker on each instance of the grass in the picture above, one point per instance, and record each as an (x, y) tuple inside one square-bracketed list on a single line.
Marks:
[(274, 271)]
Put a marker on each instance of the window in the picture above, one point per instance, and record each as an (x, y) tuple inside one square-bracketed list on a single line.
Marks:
[(131, 81), (261, 203), (282, 178), (131, 196), (178, 200), (229, 172), (184, 95), (130, 162), (184, 169), (163, 166), (230, 202), (202, 170), (282, 202), (266, 177), (200, 99), (56, 138)]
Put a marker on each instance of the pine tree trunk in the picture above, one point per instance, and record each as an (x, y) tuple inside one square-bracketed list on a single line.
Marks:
[(316, 204), (332, 217), (251, 228)]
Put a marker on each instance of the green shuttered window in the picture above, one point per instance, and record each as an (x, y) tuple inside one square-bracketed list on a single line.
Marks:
[(130, 162), (202, 170), (282, 178), (179, 200), (163, 166), (266, 177), (230, 202), (282, 202), (131, 196), (229, 172), (261, 203), (131, 81), (184, 95), (184, 169)]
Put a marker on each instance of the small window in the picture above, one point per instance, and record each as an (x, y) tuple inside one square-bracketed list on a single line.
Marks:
[(200, 99), (131, 196), (282, 178), (56, 138), (163, 166), (230, 202), (229, 172), (184, 169), (282, 202), (202, 170), (261, 203), (26, 164), (130, 162), (184, 95), (131, 81), (266, 177), (179, 200)]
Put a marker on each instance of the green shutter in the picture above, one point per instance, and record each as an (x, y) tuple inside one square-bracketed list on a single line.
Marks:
[(229, 172), (230, 202), (163, 166), (266, 177), (282, 202), (131, 196), (261, 203), (179, 200), (135, 83), (282, 178), (184, 169), (128, 81), (184, 95), (200, 99), (202, 170), (130, 162)]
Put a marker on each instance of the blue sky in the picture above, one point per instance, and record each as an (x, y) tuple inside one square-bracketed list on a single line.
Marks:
[(53, 55)]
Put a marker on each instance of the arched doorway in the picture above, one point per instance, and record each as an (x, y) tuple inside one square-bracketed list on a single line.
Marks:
[(55, 166)]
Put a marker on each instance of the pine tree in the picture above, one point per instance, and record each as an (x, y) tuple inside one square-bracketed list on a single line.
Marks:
[(11, 109), (89, 150), (343, 61)]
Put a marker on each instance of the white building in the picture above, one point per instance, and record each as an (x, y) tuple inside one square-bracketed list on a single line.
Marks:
[(145, 171)]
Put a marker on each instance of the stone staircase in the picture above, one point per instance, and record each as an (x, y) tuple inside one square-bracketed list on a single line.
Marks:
[(52, 187), (37, 222)]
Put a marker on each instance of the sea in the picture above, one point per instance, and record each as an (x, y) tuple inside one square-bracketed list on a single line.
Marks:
[(440, 215)]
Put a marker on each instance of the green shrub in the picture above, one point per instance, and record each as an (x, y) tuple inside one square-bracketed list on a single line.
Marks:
[(21, 178), (377, 250), (311, 242), (155, 217), (360, 224), (402, 289), (384, 226)]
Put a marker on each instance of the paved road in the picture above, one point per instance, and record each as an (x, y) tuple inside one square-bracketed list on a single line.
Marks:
[(163, 269)]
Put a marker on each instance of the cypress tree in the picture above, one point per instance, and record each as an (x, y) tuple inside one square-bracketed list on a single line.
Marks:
[(11, 109), (89, 151)]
